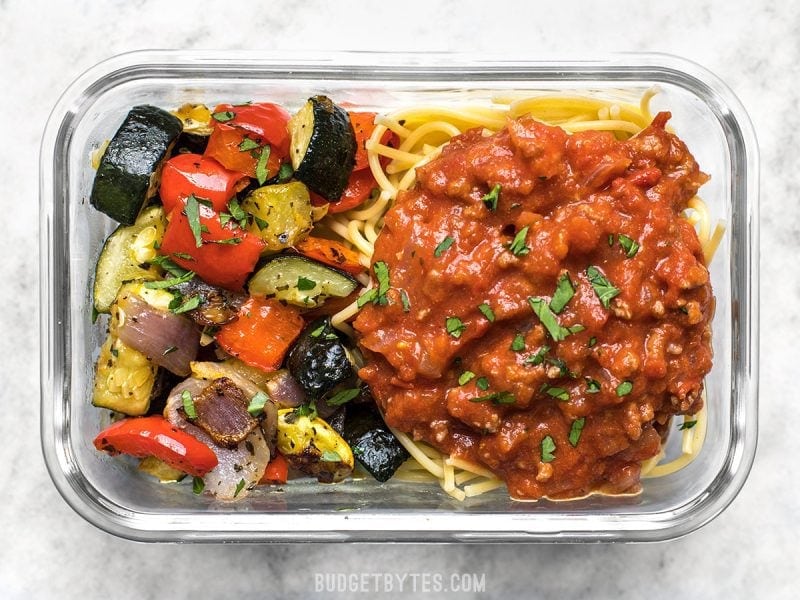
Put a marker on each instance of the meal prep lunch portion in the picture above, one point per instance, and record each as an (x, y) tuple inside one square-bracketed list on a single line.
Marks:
[(508, 295)]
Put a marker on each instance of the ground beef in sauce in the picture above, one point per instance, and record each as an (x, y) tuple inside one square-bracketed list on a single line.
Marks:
[(624, 369)]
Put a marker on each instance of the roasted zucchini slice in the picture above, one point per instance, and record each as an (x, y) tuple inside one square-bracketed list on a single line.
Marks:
[(128, 172), (300, 281), (323, 147), (319, 361), (125, 256), (124, 378), (281, 214), (313, 447)]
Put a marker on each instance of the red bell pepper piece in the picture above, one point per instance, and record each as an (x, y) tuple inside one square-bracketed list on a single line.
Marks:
[(216, 260), (363, 126), (262, 334), (241, 134), (155, 436), (359, 187), (187, 174), (266, 121), (238, 150), (277, 470), (331, 253)]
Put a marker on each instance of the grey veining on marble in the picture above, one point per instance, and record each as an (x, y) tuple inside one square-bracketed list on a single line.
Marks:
[(750, 551)]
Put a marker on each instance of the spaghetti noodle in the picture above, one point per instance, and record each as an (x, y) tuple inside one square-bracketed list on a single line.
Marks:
[(423, 131)]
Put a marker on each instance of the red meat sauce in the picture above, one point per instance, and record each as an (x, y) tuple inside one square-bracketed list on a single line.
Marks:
[(576, 194)]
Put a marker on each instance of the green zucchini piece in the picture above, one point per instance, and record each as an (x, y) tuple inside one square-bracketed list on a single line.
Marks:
[(319, 361), (323, 147), (281, 214), (124, 257), (129, 170), (300, 281), (372, 442)]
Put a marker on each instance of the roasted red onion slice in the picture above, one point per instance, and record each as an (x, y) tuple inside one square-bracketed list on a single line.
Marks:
[(169, 340), (239, 468), (222, 413)]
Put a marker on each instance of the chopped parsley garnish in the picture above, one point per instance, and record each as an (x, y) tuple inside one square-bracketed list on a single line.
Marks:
[(404, 301), (518, 343), (563, 369), (285, 172), (192, 211), (548, 447), (169, 266), (377, 295), (261, 165), (308, 409), (496, 398), (486, 311), (228, 241), (223, 116), (466, 377), (330, 456), (237, 212), (575, 431), (367, 297), (592, 386), (548, 319), (629, 245), (624, 388), (443, 245), (188, 404), (563, 294), (198, 485), (491, 199), (687, 424), (602, 287), (239, 488), (556, 392), (343, 397), (482, 383), (180, 305), (382, 273), (168, 283), (610, 240), (257, 404), (260, 223), (517, 247), (538, 357), (304, 284), (454, 326), (592, 341), (247, 144), (318, 331)]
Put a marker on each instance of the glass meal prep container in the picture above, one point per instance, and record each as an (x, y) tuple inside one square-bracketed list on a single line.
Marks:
[(113, 495)]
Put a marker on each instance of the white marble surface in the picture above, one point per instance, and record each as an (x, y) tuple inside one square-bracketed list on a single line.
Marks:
[(749, 551)]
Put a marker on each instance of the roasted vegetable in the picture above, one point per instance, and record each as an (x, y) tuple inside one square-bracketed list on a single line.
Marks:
[(144, 322), (123, 379), (191, 174), (281, 214), (319, 361), (300, 281), (155, 436), (217, 305), (221, 254), (221, 410), (313, 447), (373, 444), (323, 147), (262, 334), (160, 470), (125, 256), (128, 172)]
